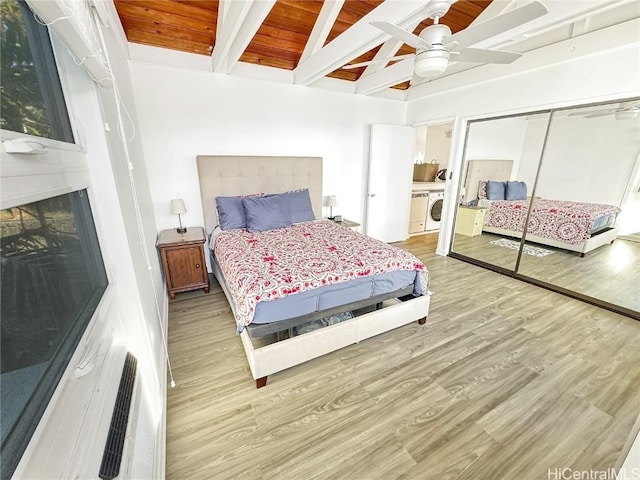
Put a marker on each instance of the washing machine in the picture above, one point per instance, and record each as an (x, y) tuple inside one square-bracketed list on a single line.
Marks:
[(434, 210)]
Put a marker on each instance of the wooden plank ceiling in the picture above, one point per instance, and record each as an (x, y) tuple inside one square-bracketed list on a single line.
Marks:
[(190, 26)]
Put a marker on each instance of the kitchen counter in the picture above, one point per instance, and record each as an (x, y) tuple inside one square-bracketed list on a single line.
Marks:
[(427, 186)]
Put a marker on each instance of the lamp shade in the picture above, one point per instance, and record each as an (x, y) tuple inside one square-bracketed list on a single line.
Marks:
[(177, 206), (331, 201)]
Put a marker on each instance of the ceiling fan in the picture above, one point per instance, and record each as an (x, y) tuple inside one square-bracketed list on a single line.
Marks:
[(436, 45), (624, 111)]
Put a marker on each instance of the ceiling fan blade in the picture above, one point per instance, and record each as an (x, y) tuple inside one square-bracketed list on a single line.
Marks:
[(479, 55), (371, 62), (401, 34), (596, 115), (592, 113), (496, 25)]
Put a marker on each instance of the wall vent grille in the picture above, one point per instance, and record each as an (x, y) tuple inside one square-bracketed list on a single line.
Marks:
[(112, 456)]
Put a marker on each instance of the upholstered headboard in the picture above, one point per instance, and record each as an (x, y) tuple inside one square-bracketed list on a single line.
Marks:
[(485, 170), (240, 175)]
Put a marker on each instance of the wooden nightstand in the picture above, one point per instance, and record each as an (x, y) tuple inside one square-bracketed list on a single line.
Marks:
[(183, 260), (470, 220)]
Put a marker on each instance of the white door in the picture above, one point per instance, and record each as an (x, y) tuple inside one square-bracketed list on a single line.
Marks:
[(390, 178)]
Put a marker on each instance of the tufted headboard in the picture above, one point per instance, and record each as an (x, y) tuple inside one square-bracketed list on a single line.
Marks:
[(485, 170), (239, 175)]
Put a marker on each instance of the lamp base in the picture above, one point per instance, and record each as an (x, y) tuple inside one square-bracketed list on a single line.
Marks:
[(181, 229)]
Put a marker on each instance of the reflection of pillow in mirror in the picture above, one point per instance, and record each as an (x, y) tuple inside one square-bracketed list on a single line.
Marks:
[(496, 190), (516, 191), (482, 189)]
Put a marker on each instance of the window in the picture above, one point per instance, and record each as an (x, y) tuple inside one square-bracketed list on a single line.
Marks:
[(52, 280), (32, 100), (52, 273)]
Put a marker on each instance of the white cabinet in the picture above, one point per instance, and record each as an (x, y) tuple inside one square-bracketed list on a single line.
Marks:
[(470, 220), (418, 211)]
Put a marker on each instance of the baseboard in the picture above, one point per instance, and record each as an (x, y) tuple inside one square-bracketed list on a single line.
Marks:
[(632, 237), (161, 438)]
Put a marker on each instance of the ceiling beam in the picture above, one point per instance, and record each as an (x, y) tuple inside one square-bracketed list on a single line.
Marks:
[(388, 49), (322, 28), (358, 39), (387, 77), (238, 22)]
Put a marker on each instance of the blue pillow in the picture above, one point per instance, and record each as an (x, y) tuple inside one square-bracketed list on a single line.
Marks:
[(230, 212), (496, 190), (516, 191), (267, 213), (300, 204)]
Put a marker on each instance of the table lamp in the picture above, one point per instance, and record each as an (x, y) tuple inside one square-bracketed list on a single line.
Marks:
[(331, 202), (178, 208)]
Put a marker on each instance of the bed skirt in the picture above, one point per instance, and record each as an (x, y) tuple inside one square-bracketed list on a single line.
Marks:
[(595, 241)]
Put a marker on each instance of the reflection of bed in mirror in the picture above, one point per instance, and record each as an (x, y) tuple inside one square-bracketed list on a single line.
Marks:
[(575, 226), (283, 267)]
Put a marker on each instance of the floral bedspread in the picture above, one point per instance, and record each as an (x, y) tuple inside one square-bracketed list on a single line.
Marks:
[(269, 265), (564, 221)]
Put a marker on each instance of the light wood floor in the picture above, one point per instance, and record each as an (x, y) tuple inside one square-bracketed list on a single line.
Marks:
[(610, 272), (504, 381)]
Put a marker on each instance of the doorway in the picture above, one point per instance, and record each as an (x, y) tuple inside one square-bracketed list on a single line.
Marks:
[(432, 147)]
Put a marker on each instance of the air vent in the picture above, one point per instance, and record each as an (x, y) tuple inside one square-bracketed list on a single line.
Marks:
[(112, 456)]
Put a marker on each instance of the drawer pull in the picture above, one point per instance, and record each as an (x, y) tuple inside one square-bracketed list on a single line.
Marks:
[(197, 265)]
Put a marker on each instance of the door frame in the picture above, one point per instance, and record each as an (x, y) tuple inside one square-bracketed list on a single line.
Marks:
[(451, 186)]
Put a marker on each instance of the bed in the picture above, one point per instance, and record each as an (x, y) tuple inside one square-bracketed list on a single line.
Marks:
[(574, 226), (271, 298)]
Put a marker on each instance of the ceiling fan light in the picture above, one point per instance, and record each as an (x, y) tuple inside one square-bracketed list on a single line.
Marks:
[(627, 115), (432, 63)]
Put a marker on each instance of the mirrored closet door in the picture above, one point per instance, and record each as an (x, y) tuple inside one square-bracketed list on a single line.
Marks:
[(584, 181), (566, 180), (496, 151)]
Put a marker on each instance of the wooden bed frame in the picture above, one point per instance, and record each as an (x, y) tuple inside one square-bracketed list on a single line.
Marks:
[(243, 175), (500, 170)]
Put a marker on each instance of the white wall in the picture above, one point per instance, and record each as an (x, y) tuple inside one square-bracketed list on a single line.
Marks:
[(589, 159), (438, 143), (585, 159), (500, 139), (532, 150), (420, 143), (144, 330), (186, 113)]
